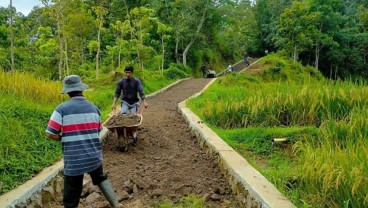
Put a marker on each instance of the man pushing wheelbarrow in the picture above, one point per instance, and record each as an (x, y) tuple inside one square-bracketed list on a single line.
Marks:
[(130, 86), (129, 118)]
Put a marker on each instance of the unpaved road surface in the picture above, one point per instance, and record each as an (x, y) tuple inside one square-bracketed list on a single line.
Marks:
[(166, 164)]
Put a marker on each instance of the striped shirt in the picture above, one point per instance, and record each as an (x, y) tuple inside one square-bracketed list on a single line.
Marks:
[(79, 123)]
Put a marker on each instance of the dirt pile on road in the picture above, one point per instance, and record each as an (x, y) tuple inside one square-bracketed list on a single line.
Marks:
[(123, 120)]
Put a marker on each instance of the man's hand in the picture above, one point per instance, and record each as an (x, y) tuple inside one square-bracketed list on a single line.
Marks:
[(113, 107), (145, 103)]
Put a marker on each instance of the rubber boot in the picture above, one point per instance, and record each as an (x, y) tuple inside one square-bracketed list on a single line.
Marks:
[(106, 188)]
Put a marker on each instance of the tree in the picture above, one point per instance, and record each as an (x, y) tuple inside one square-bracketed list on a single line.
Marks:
[(77, 29), (11, 35), (187, 18), (163, 30), (46, 54), (267, 15), (57, 8), (142, 20), (294, 33), (121, 29), (100, 12)]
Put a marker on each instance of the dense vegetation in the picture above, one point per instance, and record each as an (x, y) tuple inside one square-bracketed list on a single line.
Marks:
[(325, 122), (91, 38), (166, 40), (25, 107)]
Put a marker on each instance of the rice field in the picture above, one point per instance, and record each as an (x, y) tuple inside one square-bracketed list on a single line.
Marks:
[(328, 169)]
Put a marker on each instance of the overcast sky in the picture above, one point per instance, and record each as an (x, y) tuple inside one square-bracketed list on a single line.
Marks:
[(23, 6)]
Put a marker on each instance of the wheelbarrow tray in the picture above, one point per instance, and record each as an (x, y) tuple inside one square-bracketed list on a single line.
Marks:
[(124, 133), (122, 126)]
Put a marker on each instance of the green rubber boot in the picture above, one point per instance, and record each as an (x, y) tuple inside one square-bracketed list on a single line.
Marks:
[(106, 188)]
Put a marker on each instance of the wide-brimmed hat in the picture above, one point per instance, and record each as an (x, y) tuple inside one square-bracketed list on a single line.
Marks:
[(73, 83)]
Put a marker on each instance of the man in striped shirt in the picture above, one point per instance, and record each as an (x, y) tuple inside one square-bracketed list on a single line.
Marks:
[(77, 123)]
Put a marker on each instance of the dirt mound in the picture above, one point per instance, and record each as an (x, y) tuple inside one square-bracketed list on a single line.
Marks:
[(123, 120)]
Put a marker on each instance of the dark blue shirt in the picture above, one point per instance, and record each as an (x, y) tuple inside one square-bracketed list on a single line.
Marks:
[(130, 88)]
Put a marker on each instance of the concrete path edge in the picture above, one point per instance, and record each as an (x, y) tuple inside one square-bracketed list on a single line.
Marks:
[(250, 186)]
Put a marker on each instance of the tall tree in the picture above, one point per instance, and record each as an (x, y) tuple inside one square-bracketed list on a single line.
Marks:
[(163, 30), (142, 20), (187, 19), (57, 8), (101, 13), (294, 30), (267, 14), (11, 35)]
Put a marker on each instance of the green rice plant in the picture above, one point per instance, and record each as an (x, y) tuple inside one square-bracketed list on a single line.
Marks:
[(279, 104), (27, 86), (326, 167), (337, 162)]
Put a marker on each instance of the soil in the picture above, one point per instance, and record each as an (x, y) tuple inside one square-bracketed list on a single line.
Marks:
[(123, 120), (167, 162)]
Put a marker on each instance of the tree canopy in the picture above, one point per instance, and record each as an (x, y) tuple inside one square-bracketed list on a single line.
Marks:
[(92, 37)]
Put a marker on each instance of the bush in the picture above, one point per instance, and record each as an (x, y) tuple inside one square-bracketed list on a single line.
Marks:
[(177, 71)]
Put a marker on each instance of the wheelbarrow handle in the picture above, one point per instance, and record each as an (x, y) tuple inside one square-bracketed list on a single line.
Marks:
[(141, 113)]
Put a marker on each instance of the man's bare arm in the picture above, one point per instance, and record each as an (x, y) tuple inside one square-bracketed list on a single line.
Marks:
[(56, 137)]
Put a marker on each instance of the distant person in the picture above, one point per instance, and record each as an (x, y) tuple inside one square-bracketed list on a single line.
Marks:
[(246, 59), (229, 69), (204, 70), (266, 51), (77, 123), (130, 87)]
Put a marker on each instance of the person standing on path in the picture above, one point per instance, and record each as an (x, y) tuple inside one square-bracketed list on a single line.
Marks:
[(246, 59), (131, 87), (77, 123), (229, 69), (204, 70)]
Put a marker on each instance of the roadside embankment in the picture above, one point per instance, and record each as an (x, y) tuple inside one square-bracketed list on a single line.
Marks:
[(250, 186)]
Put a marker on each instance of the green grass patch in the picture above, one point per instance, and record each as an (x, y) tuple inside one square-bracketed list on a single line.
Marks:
[(24, 149), (190, 201), (326, 122)]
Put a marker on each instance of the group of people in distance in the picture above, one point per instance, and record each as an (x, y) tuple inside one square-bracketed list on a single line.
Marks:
[(230, 68), (77, 124)]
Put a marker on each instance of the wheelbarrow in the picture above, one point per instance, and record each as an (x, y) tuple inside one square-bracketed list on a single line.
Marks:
[(125, 134)]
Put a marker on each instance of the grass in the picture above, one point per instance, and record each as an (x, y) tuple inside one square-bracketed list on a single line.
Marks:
[(25, 107), (190, 201), (325, 122), (24, 150), (24, 110)]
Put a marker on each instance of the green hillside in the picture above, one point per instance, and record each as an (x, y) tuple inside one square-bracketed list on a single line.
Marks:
[(323, 162)]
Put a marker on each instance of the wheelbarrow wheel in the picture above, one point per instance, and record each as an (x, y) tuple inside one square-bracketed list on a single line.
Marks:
[(123, 144), (123, 140), (135, 138)]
